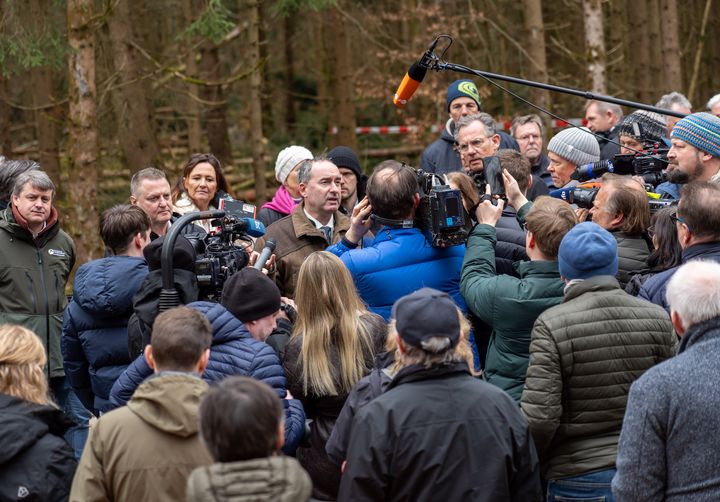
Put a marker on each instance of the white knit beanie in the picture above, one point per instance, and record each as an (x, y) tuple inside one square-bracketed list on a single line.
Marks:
[(576, 144), (288, 158)]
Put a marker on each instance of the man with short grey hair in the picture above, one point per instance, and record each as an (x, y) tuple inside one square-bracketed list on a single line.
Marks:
[(312, 226), (675, 102), (713, 105), (669, 443), (9, 171), (529, 132), (456, 435), (602, 119), (37, 257), (150, 191)]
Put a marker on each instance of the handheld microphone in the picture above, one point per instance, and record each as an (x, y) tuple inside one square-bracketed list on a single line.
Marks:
[(265, 254), (563, 193), (409, 84), (251, 226)]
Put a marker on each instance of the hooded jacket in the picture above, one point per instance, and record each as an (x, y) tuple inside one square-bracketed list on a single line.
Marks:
[(146, 450), (233, 352), (33, 275), (36, 463), (439, 434), (94, 341), (272, 479)]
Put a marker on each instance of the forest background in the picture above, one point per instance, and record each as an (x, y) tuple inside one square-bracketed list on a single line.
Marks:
[(97, 89)]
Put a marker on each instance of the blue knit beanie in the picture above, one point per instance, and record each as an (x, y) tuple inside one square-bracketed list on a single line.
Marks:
[(587, 250), (463, 88), (701, 130)]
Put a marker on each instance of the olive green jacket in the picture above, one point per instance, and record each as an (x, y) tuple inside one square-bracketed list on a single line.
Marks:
[(584, 355), (33, 274), (271, 479)]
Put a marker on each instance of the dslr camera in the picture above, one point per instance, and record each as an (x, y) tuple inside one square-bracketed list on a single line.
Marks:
[(441, 214)]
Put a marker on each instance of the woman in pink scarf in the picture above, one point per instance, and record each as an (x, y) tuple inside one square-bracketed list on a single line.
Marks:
[(287, 195)]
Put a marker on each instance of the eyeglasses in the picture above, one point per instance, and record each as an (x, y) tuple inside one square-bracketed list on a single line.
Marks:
[(525, 226), (680, 219), (476, 144), (651, 231)]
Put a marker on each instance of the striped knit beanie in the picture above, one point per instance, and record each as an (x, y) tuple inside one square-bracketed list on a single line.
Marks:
[(701, 130), (652, 124)]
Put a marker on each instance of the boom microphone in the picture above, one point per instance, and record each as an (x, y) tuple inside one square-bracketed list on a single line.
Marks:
[(265, 254), (409, 84)]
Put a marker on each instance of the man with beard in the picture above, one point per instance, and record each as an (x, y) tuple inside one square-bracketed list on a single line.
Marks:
[(695, 151)]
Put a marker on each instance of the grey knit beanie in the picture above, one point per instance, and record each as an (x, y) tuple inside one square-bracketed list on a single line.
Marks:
[(576, 144)]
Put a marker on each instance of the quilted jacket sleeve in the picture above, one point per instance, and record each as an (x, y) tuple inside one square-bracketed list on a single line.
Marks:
[(266, 367), (542, 396), (74, 360), (130, 380)]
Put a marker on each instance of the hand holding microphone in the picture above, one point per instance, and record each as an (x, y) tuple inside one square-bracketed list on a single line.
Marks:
[(265, 254)]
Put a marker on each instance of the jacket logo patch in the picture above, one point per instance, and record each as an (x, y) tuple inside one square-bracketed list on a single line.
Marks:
[(56, 252), (23, 492)]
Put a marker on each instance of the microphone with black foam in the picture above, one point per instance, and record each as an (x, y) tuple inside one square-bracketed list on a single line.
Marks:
[(265, 254), (409, 84)]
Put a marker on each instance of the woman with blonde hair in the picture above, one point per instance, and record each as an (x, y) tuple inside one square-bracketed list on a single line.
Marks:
[(35, 461), (333, 346)]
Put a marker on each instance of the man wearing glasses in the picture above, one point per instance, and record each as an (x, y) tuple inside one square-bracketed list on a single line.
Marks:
[(698, 225), (528, 131), (441, 157)]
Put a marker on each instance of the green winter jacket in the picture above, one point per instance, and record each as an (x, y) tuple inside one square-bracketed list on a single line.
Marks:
[(584, 355), (33, 274), (509, 304)]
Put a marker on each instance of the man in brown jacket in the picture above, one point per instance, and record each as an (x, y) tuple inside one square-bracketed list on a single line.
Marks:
[(312, 226), (147, 450)]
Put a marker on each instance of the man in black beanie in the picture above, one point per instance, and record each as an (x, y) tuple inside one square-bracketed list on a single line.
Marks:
[(254, 299), (353, 180)]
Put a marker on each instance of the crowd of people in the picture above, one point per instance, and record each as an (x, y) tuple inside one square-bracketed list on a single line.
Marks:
[(564, 351)]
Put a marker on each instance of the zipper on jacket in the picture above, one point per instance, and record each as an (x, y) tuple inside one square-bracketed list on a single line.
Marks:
[(32, 292), (47, 309)]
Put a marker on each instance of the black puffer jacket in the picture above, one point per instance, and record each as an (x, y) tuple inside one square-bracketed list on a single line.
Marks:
[(440, 434), (633, 252), (35, 461)]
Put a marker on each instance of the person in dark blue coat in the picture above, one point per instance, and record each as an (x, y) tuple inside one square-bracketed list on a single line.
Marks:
[(234, 349), (698, 227), (94, 339), (400, 259)]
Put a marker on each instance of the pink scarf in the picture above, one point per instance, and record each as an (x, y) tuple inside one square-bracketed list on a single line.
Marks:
[(282, 202)]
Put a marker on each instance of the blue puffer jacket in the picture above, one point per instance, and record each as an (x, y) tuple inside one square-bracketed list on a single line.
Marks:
[(94, 332), (653, 290), (398, 262), (233, 352)]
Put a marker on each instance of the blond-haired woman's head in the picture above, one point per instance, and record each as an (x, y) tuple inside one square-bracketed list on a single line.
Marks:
[(22, 357)]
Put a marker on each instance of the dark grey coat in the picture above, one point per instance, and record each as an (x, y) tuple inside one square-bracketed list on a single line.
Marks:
[(669, 446)]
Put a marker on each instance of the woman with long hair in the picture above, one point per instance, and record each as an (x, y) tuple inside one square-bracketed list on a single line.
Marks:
[(333, 346), (200, 187), (36, 463)]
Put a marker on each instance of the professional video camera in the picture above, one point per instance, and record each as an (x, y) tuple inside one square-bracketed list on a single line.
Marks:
[(218, 253), (649, 165), (440, 214)]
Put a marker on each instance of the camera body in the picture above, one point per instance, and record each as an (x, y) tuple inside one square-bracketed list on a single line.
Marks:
[(218, 254), (650, 165), (440, 214)]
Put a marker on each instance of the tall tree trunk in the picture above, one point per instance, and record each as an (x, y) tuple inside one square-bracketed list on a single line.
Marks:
[(215, 113), (595, 42), (670, 39), (535, 44), (133, 108), (654, 34), (340, 73), (323, 71), (266, 98), (698, 52), (192, 105), (618, 73), (639, 53), (48, 113), (256, 113), (5, 112), (83, 143), (289, 34)]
